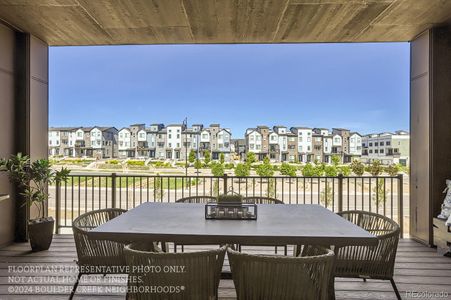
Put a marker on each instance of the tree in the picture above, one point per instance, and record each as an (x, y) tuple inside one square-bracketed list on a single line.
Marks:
[(242, 170), (288, 170), (207, 157), (336, 160), (250, 158), (198, 164), (217, 170), (221, 158), (357, 167), (375, 168), (192, 156), (379, 193), (265, 169), (393, 169), (308, 170)]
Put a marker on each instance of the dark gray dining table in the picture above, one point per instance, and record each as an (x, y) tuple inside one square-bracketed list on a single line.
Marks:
[(289, 224), (276, 224)]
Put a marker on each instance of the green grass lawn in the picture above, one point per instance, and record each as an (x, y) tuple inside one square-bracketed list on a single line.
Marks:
[(131, 181)]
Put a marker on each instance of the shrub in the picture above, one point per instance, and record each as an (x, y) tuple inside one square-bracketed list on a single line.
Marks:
[(192, 156), (112, 162), (265, 169), (331, 171), (221, 158), (250, 158), (217, 170), (345, 170), (288, 170), (135, 163), (198, 164), (375, 168), (308, 170), (357, 167), (229, 166), (336, 160), (207, 157), (392, 170), (242, 170)]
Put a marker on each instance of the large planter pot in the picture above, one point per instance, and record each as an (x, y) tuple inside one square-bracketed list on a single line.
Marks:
[(41, 233)]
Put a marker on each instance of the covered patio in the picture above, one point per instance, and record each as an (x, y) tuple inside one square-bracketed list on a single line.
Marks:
[(419, 270), (28, 28)]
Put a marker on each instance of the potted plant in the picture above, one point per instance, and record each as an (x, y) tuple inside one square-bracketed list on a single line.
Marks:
[(32, 180)]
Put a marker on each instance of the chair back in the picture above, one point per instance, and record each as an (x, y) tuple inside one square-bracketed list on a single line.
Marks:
[(94, 252), (193, 275), (197, 199), (282, 277), (262, 200), (377, 262)]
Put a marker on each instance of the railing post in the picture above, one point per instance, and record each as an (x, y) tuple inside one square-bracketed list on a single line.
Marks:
[(340, 192), (113, 190), (225, 183), (400, 204), (57, 206)]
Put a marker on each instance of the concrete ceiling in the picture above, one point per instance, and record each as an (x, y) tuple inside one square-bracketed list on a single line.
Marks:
[(112, 22)]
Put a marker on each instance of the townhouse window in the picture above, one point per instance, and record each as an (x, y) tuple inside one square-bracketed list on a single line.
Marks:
[(170, 145), (371, 151), (382, 151), (376, 144), (371, 144), (387, 143), (308, 148), (178, 145), (251, 146), (309, 139), (376, 151), (382, 143), (396, 150), (178, 136), (300, 139), (50, 142)]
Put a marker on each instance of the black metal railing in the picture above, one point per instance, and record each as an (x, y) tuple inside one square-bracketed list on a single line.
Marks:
[(87, 192)]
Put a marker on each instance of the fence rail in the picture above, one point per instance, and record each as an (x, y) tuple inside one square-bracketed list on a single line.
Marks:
[(86, 192)]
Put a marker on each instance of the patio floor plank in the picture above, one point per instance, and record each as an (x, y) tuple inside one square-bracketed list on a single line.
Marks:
[(418, 268)]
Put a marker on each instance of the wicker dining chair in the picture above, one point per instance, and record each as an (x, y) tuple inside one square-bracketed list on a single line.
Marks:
[(193, 199), (199, 278), (370, 262), (96, 256), (265, 200), (266, 277)]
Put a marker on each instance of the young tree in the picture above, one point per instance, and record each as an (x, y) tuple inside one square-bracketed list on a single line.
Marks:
[(375, 168), (198, 164), (217, 170), (242, 170), (221, 158), (192, 156), (288, 170), (357, 167), (207, 157), (335, 160), (250, 158), (265, 169)]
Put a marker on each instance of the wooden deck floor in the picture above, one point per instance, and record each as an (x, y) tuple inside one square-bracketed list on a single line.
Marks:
[(418, 269)]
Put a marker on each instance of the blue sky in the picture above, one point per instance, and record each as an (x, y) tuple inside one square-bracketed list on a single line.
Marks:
[(363, 87)]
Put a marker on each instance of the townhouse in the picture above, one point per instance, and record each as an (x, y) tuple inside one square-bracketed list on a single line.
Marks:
[(61, 141), (304, 143), (387, 147)]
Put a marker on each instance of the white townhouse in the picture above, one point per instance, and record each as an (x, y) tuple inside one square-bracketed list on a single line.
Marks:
[(174, 141), (124, 143), (253, 140), (387, 147), (355, 144), (305, 143)]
